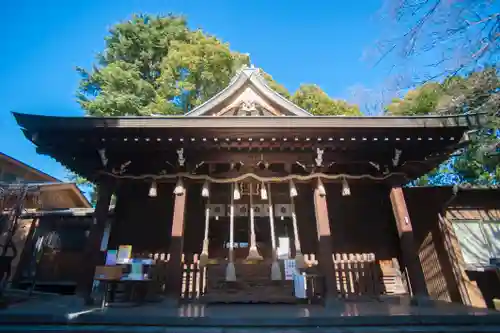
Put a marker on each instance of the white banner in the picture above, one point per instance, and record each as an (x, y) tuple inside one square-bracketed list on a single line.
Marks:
[(217, 210), (105, 237), (239, 210), (260, 210), (283, 210), (283, 251)]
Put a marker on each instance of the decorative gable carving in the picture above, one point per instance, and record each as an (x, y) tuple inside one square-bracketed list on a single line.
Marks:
[(248, 94), (248, 104)]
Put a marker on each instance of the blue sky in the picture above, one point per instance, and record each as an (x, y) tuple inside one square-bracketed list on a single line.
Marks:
[(318, 42)]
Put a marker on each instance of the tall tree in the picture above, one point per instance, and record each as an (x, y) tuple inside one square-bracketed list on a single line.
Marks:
[(279, 88), (156, 65), (313, 99)]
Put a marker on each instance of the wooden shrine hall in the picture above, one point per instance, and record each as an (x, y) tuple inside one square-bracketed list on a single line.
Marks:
[(248, 180)]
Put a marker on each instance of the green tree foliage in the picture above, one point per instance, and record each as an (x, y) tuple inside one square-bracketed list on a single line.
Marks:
[(279, 88), (156, 65), (421, 101), (479, 91), (85, 185), (312, 98)]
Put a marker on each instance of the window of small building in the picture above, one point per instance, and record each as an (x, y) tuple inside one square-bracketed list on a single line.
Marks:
[(479, 242)]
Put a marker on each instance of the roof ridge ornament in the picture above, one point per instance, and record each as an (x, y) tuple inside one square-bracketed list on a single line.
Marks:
[(180, 156), (319, 157)]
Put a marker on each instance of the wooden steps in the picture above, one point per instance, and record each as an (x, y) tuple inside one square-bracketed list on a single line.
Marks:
[(392, 278), (253, 284)]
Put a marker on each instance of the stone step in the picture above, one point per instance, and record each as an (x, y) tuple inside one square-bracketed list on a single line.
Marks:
[(246, 329), (253, 285)]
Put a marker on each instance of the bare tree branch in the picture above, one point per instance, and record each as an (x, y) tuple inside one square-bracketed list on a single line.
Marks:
[(450, 35)]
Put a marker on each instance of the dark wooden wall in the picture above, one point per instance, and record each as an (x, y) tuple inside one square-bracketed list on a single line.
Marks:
[(142, 221), (306, 218), (424, 207), (362, 222), (440, 254), (194, 225)]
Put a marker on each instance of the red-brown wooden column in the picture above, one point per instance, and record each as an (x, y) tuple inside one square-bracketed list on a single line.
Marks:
[(92, 253), (325, 260), (409, 250), (176, 247)]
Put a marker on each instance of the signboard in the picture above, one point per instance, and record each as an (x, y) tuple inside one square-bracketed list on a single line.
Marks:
[(136, 272), (283, 210), (283, 251), (105, 237), (299, 284), (290, 267), (124, 254), (111, 257)]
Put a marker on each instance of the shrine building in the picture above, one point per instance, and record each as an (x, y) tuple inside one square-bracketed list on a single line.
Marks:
[(249, 180)]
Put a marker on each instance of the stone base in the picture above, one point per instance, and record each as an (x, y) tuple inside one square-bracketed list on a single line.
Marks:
[(253, 284), (421, 301), (170, 301), (332, 302), (253, 254)]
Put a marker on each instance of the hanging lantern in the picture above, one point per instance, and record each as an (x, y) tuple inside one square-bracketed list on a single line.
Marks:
[(293, 189), (205, 190), (321, 188), (263, 191), (179, 187), (346, 191), (236, 192), (153, 190)]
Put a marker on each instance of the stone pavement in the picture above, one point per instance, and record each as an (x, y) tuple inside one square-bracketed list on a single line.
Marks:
[(67, 314)]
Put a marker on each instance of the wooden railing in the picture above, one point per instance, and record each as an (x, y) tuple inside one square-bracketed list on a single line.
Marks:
[(356, 275), (193, 276)]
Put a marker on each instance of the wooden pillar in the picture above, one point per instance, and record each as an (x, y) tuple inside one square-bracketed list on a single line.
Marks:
[(325, 259), (92, 255), (176, 247), (409, 250)]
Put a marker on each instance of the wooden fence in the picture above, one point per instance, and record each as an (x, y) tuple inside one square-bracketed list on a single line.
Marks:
[(193, 276), (356, 274)]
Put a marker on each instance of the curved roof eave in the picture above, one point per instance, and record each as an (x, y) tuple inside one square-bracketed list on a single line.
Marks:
[(242, 77), (262, 85), (236, 83)]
